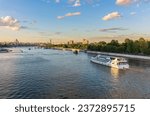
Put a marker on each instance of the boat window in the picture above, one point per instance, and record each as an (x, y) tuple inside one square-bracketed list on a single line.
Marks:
[(122, 63), (112, 58), (119, 59)]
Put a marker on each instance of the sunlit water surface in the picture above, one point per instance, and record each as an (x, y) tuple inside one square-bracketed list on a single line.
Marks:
[(46, 74)]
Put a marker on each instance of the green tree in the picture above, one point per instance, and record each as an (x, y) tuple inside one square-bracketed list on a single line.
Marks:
[(143, 45), (136, 47), (129, 45)]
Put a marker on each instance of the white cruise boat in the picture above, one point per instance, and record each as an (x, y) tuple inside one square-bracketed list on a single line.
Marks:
[(115, 62)]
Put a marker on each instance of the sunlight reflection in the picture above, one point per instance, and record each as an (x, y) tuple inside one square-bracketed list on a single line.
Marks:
[(115, 72)]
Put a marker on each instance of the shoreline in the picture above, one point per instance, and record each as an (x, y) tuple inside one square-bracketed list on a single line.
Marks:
[(94, 52), (121, 55), (108, 53)]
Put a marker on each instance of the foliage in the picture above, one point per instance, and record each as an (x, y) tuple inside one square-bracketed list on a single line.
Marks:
[(129, 46)]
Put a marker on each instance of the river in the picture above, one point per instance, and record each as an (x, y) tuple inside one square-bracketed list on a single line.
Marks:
[(55, 74)]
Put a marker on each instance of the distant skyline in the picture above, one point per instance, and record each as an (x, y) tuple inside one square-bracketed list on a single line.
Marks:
[(64, 20)]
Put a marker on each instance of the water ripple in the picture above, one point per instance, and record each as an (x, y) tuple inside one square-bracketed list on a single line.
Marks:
[(46, 74)]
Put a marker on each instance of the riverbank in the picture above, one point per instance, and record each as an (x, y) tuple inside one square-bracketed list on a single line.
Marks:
[(107, 53), (121, 55), (66, 49)]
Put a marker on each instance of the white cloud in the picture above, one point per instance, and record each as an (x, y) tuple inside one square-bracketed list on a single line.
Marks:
[(114, 29), (110, 16), (9, 22), (60, 17), (132, 13), (77, 3), (69, 15), (127, 2), (124, 2), (72, 14)]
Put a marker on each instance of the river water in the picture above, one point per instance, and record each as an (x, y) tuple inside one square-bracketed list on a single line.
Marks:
[(54, 74)]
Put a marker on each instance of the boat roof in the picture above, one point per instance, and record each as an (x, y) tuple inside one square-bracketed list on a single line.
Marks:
[(110, 56)]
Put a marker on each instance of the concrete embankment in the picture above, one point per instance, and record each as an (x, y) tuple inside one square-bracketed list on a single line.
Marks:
[(121, 55), (66, 49)]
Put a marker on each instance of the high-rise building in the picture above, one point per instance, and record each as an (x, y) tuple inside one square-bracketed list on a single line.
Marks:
[(85, 41), (71, 42), (16, 42)]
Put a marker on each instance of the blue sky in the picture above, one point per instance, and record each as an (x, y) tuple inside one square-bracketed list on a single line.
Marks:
[(63, 20)]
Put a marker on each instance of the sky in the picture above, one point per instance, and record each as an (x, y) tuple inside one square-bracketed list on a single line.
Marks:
[(64, 20)]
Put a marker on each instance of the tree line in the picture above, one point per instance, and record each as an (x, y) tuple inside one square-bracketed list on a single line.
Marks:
[(12, 44), (78, 45), (137, 47), (129, 46)]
